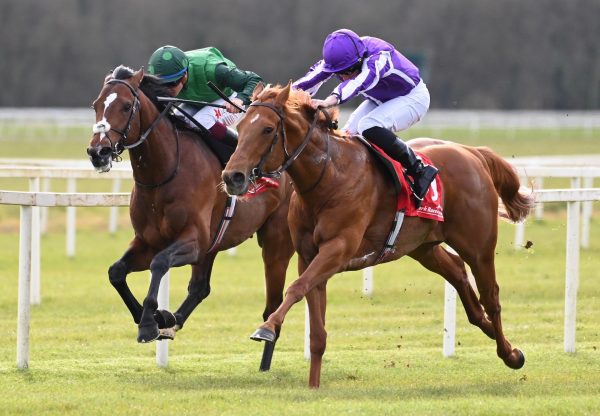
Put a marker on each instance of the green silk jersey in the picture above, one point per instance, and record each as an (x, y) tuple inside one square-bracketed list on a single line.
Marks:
[(209, 64)]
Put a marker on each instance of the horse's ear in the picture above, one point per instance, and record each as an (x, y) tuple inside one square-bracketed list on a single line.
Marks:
[(257, 90), (284, 94), (137, 77)]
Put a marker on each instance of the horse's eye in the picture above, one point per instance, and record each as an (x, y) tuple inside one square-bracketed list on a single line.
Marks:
[(268, 130), (127, 107)]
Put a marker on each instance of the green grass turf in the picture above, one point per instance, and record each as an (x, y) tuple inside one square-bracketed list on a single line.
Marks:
[(384, 353)]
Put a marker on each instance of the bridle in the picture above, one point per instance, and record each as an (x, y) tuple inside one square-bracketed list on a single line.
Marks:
[(103, 128), (258, 172)]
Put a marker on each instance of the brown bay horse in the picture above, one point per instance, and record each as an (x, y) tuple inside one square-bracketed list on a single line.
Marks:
[(177, 205), (344, 205)]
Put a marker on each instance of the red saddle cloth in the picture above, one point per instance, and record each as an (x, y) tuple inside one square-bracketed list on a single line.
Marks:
[(431, 207)]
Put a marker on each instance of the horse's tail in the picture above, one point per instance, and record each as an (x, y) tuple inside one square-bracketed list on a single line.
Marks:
[(507, 185)]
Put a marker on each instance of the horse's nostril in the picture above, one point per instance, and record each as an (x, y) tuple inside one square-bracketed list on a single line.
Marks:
[(105, 151), (238, 178), (89, 151), (234, 179)]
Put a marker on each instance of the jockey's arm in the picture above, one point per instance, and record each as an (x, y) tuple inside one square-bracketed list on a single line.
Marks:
[(314, 78), (242, 82)]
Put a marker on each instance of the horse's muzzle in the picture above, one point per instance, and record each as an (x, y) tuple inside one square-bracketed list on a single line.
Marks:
[(101, 158), (236, 182)]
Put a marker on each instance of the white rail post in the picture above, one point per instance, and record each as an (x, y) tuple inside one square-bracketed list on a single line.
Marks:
[(449, 340), (449, 319), (519, 235), (71, 188), (26, 200), (114, 211), (24, 310), (44, 210), (368, 281), (586, 215), (539, 207), (35, 288), (572, 270), (162, 346)]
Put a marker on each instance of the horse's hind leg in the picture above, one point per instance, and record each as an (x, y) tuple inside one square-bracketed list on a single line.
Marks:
[(277, 249), (452, 268), (198, 289), (136, 258), (485, 275), (480, 257)]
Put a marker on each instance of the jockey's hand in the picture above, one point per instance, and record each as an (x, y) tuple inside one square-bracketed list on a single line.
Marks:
[(231, 108), (327, 102)]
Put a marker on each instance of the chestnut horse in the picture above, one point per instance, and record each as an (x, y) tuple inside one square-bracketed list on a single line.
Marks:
[(344, 206), (177, 204)]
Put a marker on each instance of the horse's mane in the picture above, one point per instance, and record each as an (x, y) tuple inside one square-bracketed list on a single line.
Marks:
[(150, 85), (122, 72), (298, 105)]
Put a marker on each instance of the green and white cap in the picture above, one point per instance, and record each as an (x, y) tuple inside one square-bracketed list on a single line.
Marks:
[(168, 63)]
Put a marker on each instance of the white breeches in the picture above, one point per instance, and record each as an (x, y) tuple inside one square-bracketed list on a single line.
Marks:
[(396, 114), (208, 116)]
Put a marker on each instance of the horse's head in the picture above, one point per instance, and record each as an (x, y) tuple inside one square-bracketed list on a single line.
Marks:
[(268, 128), (117, 117)]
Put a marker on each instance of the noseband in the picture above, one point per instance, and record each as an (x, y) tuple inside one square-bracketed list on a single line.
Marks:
[(258, 172)]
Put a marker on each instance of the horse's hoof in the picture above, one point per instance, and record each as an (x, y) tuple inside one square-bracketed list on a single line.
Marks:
[(263, 334), (166, 333), (516, 359), (148, 334), (165, 319)]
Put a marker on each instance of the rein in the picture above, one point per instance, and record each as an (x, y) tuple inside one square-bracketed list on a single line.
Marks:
[(119, 147), (257, 172)]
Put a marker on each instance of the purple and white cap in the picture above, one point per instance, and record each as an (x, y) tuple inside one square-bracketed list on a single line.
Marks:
[(342, 49)]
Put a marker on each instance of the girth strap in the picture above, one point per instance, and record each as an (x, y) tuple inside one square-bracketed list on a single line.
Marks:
[(227, 216), (391, 240)]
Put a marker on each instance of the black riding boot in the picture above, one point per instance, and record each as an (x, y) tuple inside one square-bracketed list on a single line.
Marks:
[(422, 175), (224, 146), (230, 138)]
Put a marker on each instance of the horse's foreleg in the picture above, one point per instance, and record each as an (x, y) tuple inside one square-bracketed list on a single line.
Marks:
[(452, 268), (277, 249), (136, 258), (177, 254), (317, 301), (329, 260), (198, 289), (332, 256)]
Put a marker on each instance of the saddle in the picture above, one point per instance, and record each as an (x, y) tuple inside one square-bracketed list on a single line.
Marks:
[(431, 207)]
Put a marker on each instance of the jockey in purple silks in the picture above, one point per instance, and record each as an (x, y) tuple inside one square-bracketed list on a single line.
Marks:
[(396, 96)]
